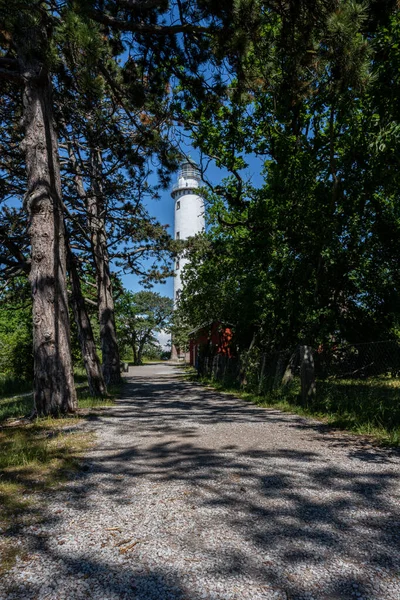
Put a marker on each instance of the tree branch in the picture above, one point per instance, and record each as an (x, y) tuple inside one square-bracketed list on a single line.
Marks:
[(140, 4), (11, 75), (144, 28)]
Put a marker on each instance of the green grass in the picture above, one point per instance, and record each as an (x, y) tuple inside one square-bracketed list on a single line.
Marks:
[(365, 407), (85, 400), (18, 406), (15, 407), (35, 456)]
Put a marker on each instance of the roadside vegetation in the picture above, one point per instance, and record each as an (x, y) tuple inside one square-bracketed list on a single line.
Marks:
[(367, 408), (37, 456), (293, 104), (295, 107), (140, 317), (34, 457)]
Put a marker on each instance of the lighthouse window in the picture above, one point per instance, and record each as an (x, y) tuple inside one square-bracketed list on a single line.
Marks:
[(178, 205), (177, 265), (177, 236)]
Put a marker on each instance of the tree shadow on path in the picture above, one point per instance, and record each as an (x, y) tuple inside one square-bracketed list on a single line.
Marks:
[(264, 497)]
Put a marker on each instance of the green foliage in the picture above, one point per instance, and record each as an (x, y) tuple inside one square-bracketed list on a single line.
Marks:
[(312, 251), (364, 407), (15, 406), (16, 360), (180, 328), (139, 316), (310, 89), (152, 352)]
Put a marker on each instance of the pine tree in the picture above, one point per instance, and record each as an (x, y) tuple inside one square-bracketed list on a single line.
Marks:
[(26, 55)]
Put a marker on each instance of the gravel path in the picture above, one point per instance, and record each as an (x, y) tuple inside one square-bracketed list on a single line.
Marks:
[(189, 494)]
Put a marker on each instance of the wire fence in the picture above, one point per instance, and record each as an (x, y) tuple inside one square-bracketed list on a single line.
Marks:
[(266, 372), (358, 361), (358, 385)]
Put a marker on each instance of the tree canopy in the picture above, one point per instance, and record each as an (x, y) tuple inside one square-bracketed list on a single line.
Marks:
[(309, 254), (140, 316), (96, 98)]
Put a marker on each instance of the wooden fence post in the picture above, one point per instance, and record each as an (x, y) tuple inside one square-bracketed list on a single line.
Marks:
[(307, 371), (261, 374), (279, 372), (214, 367), (225, 361), (289, 373)]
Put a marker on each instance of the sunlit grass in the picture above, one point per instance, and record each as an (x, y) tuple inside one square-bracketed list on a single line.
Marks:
[(15, 406), (365, 407), (21, 405), (33, 457), (36, 456), (85, 400)]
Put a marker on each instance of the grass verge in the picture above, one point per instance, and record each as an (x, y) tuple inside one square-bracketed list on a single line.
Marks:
[(368, 408), (35, 457), (20, 405)]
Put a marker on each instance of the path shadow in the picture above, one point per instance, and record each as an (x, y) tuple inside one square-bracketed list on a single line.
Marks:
[(275, 511)]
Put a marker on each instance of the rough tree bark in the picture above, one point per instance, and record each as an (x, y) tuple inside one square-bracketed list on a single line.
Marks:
[(54, 390), (140, 354), (308, 385), (135, 359), (140, 347), (289, 373), (87, 343), (96, 214)]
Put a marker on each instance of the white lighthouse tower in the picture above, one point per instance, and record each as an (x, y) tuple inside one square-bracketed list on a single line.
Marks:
[(188, 220), (189, 214)]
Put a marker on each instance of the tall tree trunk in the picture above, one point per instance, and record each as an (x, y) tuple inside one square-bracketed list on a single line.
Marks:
[(91, 361), (141, 346), (307, 372), (105, 300), (289, 373), (135, 359), (139, 354), (54, 390)]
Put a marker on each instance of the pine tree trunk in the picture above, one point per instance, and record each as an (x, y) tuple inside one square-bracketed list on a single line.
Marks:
[(91, 361), (307, 371), (54, 390), (135, 360), (105, 300), (139, 355), (289, 373)]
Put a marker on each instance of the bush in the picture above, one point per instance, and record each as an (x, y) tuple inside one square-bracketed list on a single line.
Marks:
[(16, 356)]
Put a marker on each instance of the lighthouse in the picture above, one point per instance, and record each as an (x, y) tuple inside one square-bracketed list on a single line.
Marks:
[(188, 214), (188, 221)]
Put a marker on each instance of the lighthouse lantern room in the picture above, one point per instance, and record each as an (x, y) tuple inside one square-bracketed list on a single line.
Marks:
[(189, 213)]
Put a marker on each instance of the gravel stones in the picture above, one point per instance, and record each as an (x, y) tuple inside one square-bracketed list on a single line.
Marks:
[(189, 494)]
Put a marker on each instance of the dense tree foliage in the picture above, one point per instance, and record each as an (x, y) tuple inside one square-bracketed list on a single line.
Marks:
[(140, 317), (309, 255), (16, 360), (95, 97), (94, 111)]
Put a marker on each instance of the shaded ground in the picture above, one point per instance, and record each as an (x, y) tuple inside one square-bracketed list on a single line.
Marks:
[(191, 494)]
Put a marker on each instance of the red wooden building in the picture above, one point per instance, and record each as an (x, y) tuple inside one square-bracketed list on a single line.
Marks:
[(209, 340)]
